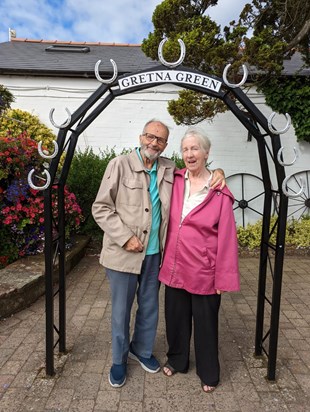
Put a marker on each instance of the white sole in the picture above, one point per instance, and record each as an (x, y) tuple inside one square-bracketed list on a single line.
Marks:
[(117, 385)]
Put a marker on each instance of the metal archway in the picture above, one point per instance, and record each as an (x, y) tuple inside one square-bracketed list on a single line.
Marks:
[(257, 125)]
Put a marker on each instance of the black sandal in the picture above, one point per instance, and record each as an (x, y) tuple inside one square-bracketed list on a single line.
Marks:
[(171, 369), (211, 388)]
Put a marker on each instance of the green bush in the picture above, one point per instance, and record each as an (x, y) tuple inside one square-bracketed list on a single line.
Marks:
[(84, 179), (297, 234)]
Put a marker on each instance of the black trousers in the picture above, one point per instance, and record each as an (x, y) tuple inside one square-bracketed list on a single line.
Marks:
[(181, 308)]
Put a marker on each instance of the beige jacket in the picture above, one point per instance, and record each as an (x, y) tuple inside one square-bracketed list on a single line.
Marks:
[(122, 209)]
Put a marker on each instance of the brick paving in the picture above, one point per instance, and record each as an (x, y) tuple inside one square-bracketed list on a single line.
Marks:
[(80, 382)]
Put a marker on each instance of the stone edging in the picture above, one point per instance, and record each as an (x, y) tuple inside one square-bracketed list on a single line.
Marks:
[(22, 282)]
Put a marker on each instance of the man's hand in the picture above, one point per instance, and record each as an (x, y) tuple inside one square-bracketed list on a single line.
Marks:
[(134, 244), (218, 179)]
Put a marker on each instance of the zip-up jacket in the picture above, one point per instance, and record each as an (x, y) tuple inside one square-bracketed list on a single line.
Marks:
[(201, 253)]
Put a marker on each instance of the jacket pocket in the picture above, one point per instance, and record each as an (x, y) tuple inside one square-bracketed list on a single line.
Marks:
[(207, 256), (131, 192)]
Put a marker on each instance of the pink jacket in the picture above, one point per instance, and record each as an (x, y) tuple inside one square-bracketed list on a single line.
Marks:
[(201, 253)]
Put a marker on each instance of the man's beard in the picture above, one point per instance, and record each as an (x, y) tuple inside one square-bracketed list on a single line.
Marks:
[(148, 155)]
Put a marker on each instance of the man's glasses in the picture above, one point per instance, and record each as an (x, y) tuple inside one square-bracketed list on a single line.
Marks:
[(151, 137)]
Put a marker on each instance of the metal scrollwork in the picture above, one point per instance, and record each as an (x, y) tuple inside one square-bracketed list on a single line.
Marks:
[(46, 156), (45, 186), (244, 78), (106, 81), (284, 187), (275, 131), (281, 162), (63, 125), (171, 64)]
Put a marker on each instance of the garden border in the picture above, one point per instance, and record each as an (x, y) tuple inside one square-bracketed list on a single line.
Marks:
[(23, 281)]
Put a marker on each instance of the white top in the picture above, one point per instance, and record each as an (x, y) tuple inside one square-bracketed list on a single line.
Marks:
[(191, 201)]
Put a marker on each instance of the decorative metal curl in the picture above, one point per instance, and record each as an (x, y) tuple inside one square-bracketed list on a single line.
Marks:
[(279, 157), (63, 125), (106, 81), (33, 186), (243, 80), (45, 156), (171, 64), (284, 187), (275, 131)]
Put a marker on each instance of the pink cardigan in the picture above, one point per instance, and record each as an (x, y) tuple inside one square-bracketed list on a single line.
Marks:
[(201, 253)]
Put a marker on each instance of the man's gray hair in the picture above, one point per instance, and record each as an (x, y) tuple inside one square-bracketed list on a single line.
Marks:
[(156, 121)]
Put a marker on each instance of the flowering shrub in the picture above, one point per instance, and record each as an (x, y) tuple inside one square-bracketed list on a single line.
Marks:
[(16, 122), (22, 208)]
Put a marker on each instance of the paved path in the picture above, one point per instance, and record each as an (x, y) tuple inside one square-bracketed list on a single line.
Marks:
[(81, 384)]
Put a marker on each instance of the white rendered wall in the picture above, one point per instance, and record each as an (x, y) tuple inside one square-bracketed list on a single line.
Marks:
[(122, 121)]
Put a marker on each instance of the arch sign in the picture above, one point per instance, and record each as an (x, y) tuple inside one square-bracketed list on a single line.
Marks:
[(253, 120)]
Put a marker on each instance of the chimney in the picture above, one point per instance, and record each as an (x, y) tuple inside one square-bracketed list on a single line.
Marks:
[(12, 34)]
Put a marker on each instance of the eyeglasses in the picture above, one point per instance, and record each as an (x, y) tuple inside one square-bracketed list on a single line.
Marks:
[(151, 137)]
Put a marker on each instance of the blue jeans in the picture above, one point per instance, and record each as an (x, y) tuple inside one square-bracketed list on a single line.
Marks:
[(124, 287)]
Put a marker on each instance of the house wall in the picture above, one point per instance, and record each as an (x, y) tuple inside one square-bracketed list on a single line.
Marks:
[(122, 121)]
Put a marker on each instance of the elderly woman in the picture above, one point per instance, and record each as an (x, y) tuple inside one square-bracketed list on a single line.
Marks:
[(200, 262)]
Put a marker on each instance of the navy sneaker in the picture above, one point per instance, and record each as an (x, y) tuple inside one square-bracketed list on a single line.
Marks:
[(117, 376), (148, 364)]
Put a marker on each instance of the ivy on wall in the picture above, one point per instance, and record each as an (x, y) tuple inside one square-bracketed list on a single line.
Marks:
[(290, 95)]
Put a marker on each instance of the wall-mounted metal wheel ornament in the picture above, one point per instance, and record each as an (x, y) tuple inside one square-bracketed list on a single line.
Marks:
[(249, 193), (298, 185)]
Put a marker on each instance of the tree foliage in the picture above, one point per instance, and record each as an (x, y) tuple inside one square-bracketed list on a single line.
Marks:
[(6, 99), (277, 29)]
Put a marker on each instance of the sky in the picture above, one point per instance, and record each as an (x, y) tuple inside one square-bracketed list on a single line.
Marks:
[(116, 21)]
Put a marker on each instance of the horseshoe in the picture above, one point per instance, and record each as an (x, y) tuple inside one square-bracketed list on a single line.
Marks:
[(171, 64), (275, 131), (279, 157), (45, 156), (63, 125), (245, 76), (33, 186), (106, 81), (284, 189)]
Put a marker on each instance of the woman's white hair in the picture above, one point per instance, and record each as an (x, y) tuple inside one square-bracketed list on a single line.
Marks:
[(203, 139)]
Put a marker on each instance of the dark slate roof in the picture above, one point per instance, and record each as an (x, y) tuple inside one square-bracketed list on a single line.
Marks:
[(59, 58), (54, 58)]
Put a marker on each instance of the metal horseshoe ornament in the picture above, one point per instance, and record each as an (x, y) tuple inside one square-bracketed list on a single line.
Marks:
[(284, 187), (33, 186), (244, 78), (275, 131), (106, 81), (280, 157), (63, 125), (171, 64), (46, 156)]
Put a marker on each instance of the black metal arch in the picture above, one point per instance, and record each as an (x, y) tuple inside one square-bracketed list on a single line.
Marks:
[(257, 125)]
